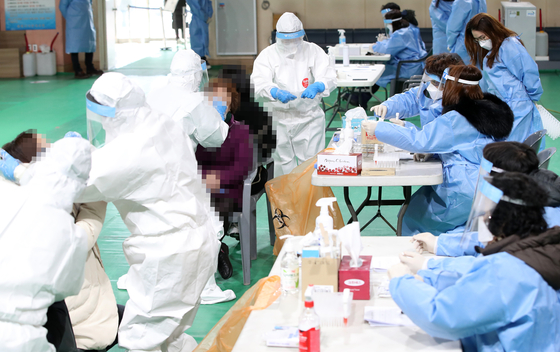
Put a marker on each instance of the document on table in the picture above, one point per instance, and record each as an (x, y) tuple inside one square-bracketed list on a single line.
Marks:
[(386, 316), (382, 264)]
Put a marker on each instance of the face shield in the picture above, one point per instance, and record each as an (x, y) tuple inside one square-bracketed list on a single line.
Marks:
[(446, 77), (289, 43), (389, 25), (430, 86), (204, 80), (96, 114)]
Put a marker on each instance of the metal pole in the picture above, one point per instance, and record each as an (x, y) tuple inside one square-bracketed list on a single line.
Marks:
[(184, 9), (129, 26), (165, 47)]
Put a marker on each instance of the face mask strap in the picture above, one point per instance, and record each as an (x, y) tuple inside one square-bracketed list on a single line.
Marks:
[(513, 201)]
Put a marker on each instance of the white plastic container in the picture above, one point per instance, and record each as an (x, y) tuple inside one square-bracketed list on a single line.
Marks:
[(46, 64), (345, 56), (29, 64), (289, 266), (542, 44)]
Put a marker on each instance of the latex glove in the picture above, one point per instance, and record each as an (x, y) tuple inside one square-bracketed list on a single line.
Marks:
[(379, 110), (221, 107), (398, 270), (8, 165), (397, 122), (422, 156), (314, 89), (72, 134), (413, 260), (282, 95), (424, 241)]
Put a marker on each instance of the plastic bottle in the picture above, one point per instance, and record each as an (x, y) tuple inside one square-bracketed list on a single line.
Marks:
[(332, 56), (348, 130), (324, 217), (342, 37), (309, 326), (289, 266), (345, 56), (29, 64)]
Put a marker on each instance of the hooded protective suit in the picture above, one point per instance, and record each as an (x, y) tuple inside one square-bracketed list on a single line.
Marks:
[(181, 100), (506, 300), (148, 170), (41, 261), (458, 136), (439, 16), (461, 13), (403, 44), (292, 65), (201, 13), (514, 78), (80, 31)]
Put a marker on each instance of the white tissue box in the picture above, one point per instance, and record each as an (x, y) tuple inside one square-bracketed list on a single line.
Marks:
[(342, 165)]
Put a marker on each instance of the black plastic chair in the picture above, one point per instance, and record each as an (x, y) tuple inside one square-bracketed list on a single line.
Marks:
[(545, 156), (534, 140), (397, 82)]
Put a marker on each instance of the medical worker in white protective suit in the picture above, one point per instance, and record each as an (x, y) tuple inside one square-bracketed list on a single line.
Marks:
[(291, 77), (147, 168), (42, 252), (182, 100)]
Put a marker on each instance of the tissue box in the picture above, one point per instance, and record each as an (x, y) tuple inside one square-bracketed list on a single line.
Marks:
[(335, 164), (319, 271), (355, 279)]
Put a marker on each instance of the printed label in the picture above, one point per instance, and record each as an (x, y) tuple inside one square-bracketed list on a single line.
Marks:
[(309, 341), (354, 282), (305, 82), (531, 13), (290, 279)]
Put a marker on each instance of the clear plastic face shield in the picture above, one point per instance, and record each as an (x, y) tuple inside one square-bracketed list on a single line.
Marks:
[(446, 77), (289, 43), (96, 113), (485, 200), (204, 80), (389, 25), (430, 86)]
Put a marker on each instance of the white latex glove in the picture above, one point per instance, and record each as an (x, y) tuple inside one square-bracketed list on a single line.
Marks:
[(424, 241), (379, 110), (413, 260), (397, 122), (422, 156), (399, 270)]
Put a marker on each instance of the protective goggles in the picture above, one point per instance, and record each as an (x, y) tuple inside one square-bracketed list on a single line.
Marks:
[(95, 114), (446, 77), (292, 35), (204, 80)]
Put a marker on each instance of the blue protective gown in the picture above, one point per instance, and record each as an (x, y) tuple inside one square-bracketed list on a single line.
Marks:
[(201, 12), (439, 16), (494, 303), (409, 104), (80, 31), (461, 13), (404, 44), (514, 78), (440, 208)]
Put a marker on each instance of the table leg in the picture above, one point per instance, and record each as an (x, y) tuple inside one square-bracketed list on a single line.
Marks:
[(363, 205), (335, 109), (349, 205), (378, 215), (407, 191)]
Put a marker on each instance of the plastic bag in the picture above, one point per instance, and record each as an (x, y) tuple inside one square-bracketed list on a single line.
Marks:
[(292, 203), (224, 334)]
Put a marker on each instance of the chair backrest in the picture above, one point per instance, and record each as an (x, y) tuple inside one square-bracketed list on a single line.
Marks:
[(407, 85), (395, 81), (545, 156), (534, 140)]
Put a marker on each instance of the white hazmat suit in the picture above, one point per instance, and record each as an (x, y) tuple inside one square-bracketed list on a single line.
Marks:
[(147, 168), (42, 252), (181, 100), (292, 65)]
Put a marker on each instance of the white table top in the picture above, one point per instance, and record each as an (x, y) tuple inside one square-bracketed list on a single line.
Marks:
[(358, 335), (410, 173), (379, 58), (359, 75)]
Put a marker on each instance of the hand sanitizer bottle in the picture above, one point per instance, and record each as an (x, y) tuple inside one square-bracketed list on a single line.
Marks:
[(289, 266), (309, 326)]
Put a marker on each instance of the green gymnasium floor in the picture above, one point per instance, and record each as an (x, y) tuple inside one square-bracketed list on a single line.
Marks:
[(55, 105)]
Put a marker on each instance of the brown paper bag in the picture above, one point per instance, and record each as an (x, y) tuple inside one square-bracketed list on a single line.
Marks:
[(292, 203)]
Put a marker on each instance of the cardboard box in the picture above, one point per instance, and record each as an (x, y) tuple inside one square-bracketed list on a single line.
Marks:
[(319, 271), (355, 279), (342, 165)]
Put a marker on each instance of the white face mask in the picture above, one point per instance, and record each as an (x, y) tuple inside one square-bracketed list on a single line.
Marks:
[(484, 234), (390, 28), (434, 92), (485, 44)]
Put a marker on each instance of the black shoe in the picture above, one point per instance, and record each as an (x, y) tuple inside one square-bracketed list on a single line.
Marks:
[(81, 75), (95, 72), (224, 265)]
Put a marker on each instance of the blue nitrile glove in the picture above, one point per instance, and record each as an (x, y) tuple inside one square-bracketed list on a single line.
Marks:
[(314, 89), (7, 165), (221, 107), (282, 95), (72, 134)]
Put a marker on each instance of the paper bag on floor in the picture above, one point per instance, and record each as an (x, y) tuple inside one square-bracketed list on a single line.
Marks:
[(292, 203)]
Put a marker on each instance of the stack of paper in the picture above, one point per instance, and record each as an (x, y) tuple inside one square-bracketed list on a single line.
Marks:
[(382, 264), (386, 316)]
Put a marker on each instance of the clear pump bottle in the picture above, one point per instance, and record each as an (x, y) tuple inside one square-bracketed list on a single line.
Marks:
[(289, 266)]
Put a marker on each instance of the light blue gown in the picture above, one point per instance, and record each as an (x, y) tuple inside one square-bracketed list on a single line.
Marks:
[(514, 78), (404, 44), (201, 12), (80, 31), (439, 16), (491, 303), (438, 209), (461, 13), (408, 104)]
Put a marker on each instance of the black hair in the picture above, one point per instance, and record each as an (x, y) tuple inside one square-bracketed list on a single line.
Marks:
[(397, 24), (410, 17), (23, 147), (436, 64), (391, 5), (513, 219), (512, 156)]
